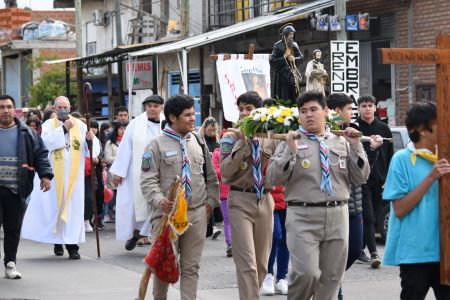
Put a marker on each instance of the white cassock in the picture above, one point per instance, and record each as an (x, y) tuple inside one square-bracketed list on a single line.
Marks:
[(131, 207), (41, 215)]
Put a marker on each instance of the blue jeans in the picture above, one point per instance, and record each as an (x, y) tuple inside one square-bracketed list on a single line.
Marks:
[(279, 247)]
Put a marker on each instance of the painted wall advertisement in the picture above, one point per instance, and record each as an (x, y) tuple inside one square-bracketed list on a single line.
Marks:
[(237, 76), (345, 68), (142, 75)]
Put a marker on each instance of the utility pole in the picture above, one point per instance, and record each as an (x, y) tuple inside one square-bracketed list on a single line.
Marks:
[(184, 18), (79, 44), (118, 22), (341, 11)]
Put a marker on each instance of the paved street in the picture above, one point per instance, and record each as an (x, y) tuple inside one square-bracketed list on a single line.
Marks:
[(117, 273)]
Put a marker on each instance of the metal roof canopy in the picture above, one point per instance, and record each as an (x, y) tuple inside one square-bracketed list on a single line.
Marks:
[(238, 28), (226, 32)]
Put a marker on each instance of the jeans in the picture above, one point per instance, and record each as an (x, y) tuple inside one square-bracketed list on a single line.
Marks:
[(12, 209), (355, 241), (279, 247), (226, 220)]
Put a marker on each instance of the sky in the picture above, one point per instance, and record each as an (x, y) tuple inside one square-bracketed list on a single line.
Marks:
[(33, 4)]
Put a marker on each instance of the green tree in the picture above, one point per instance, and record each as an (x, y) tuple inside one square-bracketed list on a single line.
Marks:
[(50, 85)]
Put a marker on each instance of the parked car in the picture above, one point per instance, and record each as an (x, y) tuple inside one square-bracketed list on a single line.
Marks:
[(400, 140)]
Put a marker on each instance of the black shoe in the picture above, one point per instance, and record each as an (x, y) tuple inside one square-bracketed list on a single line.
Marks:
[(131, 243), (229, 251), (376, 261), (363, 259), (58, 250), (73, 254)]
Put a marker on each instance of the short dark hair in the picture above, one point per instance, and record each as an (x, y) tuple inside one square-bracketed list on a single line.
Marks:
[(175, 106), (76, 115), (8, 97), (338, 100), (269, 102), (311, 96), (419, 116), (251, 97), (120, 109), (366, 98), (94, 124)]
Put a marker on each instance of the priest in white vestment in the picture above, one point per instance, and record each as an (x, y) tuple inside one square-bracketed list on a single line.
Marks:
[(57, 217), (131, 208)]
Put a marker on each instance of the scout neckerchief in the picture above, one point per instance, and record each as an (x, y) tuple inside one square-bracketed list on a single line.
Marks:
[(324, 160), (424, 153), (59, 167), (257, 172), (186, 168)]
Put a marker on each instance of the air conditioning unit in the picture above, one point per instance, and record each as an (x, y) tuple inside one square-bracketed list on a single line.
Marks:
[(100, 18)]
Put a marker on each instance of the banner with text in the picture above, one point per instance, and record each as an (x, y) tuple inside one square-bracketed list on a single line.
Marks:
[(237, 76), (143, 75), (345, 68)]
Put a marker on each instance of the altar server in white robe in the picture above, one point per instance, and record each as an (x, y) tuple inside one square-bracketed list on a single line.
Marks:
[(57, 217), (131, 208)]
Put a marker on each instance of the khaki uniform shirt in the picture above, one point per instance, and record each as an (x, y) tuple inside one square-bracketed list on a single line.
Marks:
[(166, 163), (236, 160), (301, 173)]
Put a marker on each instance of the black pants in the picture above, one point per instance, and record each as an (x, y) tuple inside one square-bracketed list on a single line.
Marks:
[(416, 280), (371, 201), (12, 209)]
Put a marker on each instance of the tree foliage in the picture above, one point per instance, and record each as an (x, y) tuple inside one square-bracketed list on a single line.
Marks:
[(50, 85)]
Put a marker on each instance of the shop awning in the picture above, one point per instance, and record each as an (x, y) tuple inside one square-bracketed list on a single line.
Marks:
[(238, 28)]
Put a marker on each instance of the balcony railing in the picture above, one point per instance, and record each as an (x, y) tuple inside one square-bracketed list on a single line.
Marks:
[(224, 13)]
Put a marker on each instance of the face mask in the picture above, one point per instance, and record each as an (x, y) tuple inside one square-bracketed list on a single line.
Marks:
[(63, 114)]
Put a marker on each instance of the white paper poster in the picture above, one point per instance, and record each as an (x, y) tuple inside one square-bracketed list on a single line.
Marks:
[(237, 76)]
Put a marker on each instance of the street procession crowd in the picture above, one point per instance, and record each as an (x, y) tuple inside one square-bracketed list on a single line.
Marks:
[(306, 202)]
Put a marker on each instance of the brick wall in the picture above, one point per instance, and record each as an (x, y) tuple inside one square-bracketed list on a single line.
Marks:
[(430, 17), (60, 53), (65, 16), (12, 18)]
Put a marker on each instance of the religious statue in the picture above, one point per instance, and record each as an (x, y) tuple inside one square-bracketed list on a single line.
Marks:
[(316, 75), (284, 62)]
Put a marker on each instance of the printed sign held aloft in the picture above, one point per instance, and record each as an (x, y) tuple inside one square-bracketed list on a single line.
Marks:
[(345, 67)]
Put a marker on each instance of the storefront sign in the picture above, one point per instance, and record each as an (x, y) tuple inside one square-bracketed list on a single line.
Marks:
[(345, 68), (237, 76), (143, 75)]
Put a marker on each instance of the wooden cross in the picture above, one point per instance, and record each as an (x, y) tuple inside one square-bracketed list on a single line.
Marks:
[(441, 58)]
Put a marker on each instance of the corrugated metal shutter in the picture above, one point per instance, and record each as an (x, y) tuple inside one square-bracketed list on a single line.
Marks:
[(365, 69), (384, 30)]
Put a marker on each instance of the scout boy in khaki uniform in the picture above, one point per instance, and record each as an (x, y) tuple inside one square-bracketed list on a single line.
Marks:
[(316, 172), (180, 151), (250, 206)]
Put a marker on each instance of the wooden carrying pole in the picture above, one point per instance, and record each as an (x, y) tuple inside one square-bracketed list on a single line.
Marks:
[(282, 136), (441, 58), (147, 273)]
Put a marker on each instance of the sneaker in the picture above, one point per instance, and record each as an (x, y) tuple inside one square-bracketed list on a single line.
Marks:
[(267, 286), (229, 252), (107, 219), (281, 287), (11, 271), (363, 259), (216, 233), (376, 261), (87, 226)]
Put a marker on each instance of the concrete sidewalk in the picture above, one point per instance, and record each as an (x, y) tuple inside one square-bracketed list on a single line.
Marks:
[(46, 276)]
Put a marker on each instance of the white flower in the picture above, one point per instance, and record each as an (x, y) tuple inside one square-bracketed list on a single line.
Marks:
[(276, 113), (294, 112), (256, 117), (287, 122)]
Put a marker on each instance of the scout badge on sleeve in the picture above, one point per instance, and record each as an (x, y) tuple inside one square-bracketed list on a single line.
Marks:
[(146, 161), (226, 146)]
